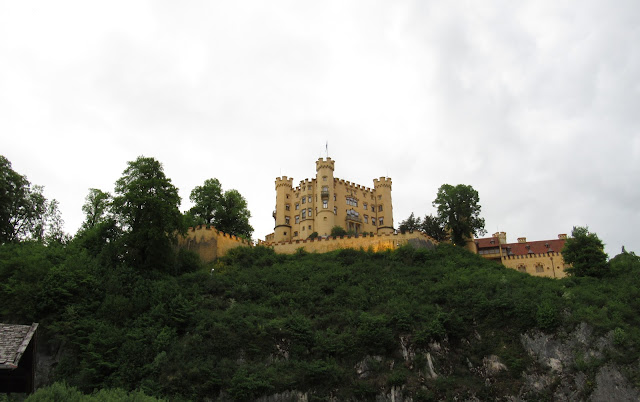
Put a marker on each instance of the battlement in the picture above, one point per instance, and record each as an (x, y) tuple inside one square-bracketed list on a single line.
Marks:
[(530, 256), (353, 186), (284, 181), (327, 163), (382, 182)]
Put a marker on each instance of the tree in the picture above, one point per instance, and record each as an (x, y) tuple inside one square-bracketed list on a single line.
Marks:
[(227, 211), (434, 227), (585, 252), (458, 207), (207, 199), (25, 213), (410, 224), (97, 208), (338, 231), (146, 207)]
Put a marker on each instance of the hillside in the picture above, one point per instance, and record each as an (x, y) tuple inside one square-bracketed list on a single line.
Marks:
[(349, 325)]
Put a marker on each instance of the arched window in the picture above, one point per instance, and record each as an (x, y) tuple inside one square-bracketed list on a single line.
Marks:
[(522, 268)]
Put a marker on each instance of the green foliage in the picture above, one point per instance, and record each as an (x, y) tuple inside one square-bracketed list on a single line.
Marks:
[(313, 235), (338, 231), (97, 208), (146, 205), (410, 224), (585, 252), (434, 226), (227, 211), (63, 392), (459, 207), (25, 213)]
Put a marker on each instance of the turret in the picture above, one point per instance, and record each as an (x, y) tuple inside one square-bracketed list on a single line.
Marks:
[(282, 213), (324, 193), (384, 208)]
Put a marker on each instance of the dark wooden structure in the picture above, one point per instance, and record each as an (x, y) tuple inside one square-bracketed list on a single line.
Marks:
[(17, 358)]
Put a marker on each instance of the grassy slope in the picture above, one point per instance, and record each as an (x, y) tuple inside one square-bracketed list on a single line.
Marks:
[(264, 323)]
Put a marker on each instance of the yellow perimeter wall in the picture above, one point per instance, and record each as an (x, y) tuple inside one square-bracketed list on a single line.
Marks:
[(209, 243), (376, 243), (550, 265)]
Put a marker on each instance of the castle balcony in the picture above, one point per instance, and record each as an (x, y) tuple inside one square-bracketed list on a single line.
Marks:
[(324, 194), (353, 216)]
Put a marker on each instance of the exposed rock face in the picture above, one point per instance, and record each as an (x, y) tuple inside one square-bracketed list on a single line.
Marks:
[(611, 385)]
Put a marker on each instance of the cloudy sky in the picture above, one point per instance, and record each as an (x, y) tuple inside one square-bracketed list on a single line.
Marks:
[(536, 104)]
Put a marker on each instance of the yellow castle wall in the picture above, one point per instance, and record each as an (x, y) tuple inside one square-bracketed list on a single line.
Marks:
[(210, 243), (552, 264), (376, 243)]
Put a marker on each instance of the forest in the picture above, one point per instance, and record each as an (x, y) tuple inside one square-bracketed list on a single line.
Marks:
[(127, 316)]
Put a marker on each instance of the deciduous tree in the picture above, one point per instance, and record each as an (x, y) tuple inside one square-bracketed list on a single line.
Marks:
[(459, 207), (410, 224), (434, 227), (227, 210), (146, 205), (585, 252)]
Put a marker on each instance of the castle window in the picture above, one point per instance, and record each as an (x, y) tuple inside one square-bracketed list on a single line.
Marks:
[(309, 198), (334, 197), (325, 204), (381, 221), (295, 234), (324, 178), (335, 210), (373, 208), (304, 213), (309, 212), (365, 205), (373, 221), (287, 197), (379, 197), (304, 199), (380, 208), (286, 220), (297, 219), (309, 227), (303, 228), (539, 267), (522, 268), (287, 207), (366, 219), (297, 206)]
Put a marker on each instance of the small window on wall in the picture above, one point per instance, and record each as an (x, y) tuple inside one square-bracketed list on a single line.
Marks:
[(366, 219), (380, 208), (539, 268), (295, 234), (373, 221), (334, 197), (379, 197), (303, 228), (381, 220), (309, 227), (309, 212), (522, 268), (373, 208), (304, 199), (324, 178), (365, 205), (297, 218), (304, 213), (286, 220), (335, 210), (297, 206), (309, 199), (287, 207), (325, 204)]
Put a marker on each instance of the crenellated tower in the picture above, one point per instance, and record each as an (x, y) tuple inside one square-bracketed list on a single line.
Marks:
[(282, 212), (325, 218), (384, 207)]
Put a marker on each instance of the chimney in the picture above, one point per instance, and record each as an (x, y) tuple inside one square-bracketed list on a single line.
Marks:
[(562, 236), (502, 236), (522, 239)]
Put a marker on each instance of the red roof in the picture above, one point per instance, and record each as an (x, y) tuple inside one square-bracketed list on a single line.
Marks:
[(529, 247)]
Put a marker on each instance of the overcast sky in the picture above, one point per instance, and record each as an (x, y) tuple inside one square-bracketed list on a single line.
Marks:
[(536, 104)]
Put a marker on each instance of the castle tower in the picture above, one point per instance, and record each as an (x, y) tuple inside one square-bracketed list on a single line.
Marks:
[(384, 208), (282, 213), (324, 197)]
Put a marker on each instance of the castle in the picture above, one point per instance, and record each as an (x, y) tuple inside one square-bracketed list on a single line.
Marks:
[(305, 215), (537, 258), (317, 205)]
